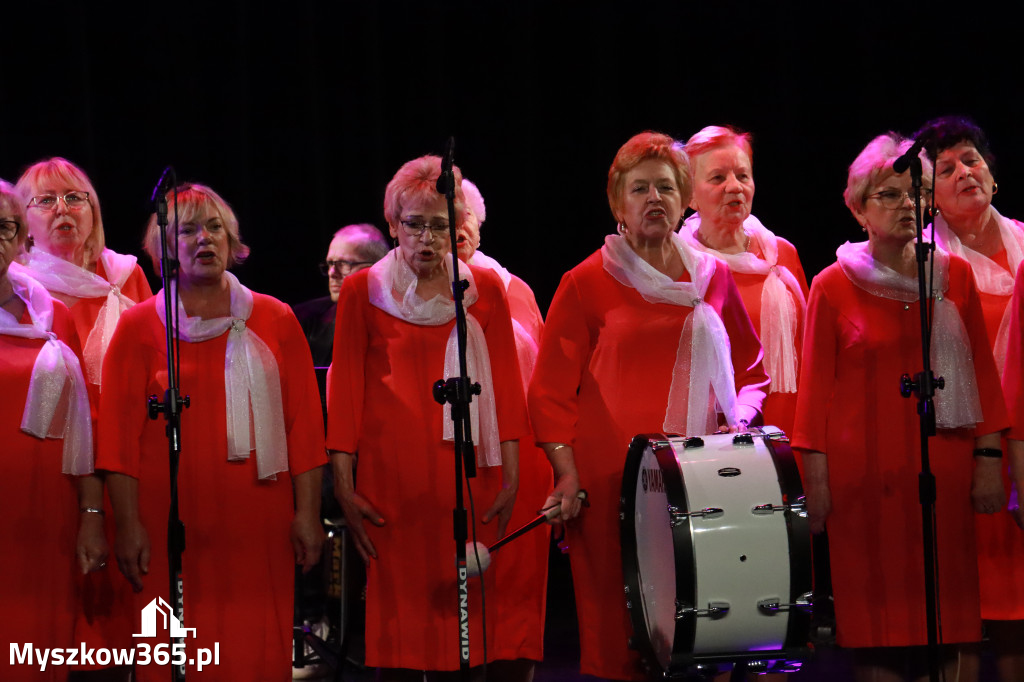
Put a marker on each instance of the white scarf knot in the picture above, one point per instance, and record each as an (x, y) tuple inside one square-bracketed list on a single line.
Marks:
[(57, 274), (703, 356), (393, 274), (253, 405), (989, 276), (57, 404), (958, 404), (782, 300)]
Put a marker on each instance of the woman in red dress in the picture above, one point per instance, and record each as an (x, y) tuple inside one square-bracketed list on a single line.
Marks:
[(395, 338), (523, 579), (968, 226), (860, 438), (43, 454), (614, 362), (253, 430), (766, 268)]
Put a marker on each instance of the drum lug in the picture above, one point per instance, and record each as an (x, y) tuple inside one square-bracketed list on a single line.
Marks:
[(743, 439), (715, 609), (797, 508), (805, 602), (678, 517)]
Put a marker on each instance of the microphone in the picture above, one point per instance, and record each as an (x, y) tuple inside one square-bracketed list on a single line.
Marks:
[(445, 181), (162, 184), (901, 164)]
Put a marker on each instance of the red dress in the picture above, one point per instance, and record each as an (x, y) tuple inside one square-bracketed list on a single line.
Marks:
[(238, 564), (602, 377), (1000, 541), (39, 526), (856, 346), (522, 575), (380, 406), (779, 408), (85, 310)]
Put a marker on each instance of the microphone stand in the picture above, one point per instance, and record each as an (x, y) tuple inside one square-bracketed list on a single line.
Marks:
[(171, 408), (923, 386), (459, 392)]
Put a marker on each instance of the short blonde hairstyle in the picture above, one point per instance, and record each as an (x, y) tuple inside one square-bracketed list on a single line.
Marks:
[(11, 197), (875, 161), (194, 200), (416, 180), (712, 137), (63, 173), (642, 147)]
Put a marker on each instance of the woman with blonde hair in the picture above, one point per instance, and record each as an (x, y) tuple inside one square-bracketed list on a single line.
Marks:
[(861, 440)]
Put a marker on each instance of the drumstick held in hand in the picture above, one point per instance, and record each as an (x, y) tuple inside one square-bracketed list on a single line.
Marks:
[(474, 549)]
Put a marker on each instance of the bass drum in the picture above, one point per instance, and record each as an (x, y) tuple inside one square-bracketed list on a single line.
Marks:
[(715, 552)]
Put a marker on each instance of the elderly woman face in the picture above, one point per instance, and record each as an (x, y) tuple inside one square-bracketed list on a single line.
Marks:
[(963, 181), (651, 203), (888, 210), (723, 186), (204, 249), (422, 234), (468, 236), (60, 218)]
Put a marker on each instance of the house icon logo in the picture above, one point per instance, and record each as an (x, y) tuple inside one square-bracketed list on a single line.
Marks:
[(159, 608)]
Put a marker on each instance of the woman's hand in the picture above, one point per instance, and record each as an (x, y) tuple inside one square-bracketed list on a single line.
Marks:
[(356, 508), (502, 509), (132, 551), (92, 550), (308, 540), (565, 498)]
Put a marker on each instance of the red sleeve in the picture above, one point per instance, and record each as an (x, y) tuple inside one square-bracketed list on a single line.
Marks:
[(523, 305), (993, 406), (818, 372), (510, 404), (1013, 381), (121, 417), (791, 259), (345, 381), (565, 349), (303, 413), (751, 379)]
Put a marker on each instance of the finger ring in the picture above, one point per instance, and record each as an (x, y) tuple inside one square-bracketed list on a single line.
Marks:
[(103, 565)]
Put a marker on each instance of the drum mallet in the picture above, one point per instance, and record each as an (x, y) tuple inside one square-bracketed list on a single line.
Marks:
[(474, 549)]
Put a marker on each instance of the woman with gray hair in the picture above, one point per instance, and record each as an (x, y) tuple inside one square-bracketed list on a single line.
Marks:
[(860, 439), (47, 451), (766, 268)]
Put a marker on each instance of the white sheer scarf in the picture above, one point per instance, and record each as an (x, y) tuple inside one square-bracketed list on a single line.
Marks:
[(57, 274), (958, 404), (253, 406), (989, 276), (704, 355), (57, 404), (393, 274), (782, 300), (526, 346)]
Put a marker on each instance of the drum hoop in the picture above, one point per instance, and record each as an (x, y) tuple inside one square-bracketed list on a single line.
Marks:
[(682, 547)]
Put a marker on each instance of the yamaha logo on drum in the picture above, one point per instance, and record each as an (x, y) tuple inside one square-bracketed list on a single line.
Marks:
[(652, 481)]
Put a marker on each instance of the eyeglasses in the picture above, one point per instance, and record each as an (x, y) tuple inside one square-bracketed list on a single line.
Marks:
[(75, 201), (342, 264), (9, 229), (891, 199), (416, 228)]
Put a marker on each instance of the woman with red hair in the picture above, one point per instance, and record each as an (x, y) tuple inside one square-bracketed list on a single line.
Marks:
[(614, 363)]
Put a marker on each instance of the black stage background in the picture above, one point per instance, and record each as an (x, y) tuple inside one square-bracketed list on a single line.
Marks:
[(300, 112)]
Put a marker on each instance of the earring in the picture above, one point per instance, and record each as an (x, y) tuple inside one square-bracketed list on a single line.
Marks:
[(30, 241), (621, 229), (995, 188)]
